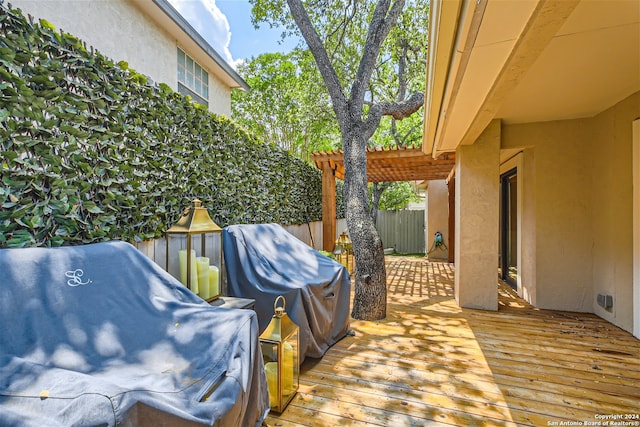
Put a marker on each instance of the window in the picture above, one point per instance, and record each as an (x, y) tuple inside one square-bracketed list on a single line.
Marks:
[(193, 80)]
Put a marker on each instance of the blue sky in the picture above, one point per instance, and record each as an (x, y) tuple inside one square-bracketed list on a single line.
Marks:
[(226, 25)]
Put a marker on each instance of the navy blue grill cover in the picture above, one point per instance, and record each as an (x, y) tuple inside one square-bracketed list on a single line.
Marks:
[(100, 335), (264, 261)]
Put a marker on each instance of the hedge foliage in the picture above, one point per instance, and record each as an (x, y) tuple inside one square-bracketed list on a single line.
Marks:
[(92, 152)]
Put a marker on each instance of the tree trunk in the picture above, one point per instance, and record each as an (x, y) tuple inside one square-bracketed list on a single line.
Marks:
[(376, 193), (370, 297)]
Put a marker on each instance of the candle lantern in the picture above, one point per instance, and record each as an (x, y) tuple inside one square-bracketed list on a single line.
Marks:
[(280, 345), (198, 272), (343, 250)]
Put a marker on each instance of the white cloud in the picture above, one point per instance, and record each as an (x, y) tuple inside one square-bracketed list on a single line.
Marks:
[(239, 63), (205, 17)]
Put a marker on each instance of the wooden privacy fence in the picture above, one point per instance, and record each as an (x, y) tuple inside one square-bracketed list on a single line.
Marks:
[(402, 230)]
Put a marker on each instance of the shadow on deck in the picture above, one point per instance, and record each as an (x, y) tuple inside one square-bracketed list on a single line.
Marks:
[(431, 363)]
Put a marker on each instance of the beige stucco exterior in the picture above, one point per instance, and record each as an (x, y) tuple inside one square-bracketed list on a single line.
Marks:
[(636, 225), (476, 221), (123, 30), (577, 216), (562, 80), (612, 203), (437, 215), (559, 201)]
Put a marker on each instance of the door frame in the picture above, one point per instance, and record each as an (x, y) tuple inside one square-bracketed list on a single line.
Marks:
[(515, 164), (636, 227)]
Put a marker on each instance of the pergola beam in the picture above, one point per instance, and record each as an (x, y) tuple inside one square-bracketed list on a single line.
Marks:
[(383, 165), (391, 165)]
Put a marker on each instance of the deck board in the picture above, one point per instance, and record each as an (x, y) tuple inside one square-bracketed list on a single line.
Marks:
[(431, 363)]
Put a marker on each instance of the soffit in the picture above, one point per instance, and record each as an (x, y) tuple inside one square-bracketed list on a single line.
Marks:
[(590, 65), (443, 16), (391, 165), (493, 44), (483, 45), (538, 61)]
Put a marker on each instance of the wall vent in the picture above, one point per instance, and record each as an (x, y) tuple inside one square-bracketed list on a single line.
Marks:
[(605, 301)]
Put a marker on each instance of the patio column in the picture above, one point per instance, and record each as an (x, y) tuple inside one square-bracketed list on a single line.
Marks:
[(451, 185), (477, 220), (328, 207), (437, 218)]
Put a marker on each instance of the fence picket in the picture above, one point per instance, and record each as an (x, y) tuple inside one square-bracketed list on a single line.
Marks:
[(402, 230)]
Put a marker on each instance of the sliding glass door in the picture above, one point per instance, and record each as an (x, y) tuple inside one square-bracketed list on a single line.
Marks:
[(509, 228)]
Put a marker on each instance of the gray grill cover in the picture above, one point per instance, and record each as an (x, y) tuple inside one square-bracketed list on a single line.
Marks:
[(100, 335), (264, 261)]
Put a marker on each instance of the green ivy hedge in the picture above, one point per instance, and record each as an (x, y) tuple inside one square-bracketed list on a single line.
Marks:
[(90, 151)]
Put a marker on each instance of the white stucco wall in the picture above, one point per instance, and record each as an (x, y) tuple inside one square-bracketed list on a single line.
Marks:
[(116, 28), (121, 31), (219, 96)]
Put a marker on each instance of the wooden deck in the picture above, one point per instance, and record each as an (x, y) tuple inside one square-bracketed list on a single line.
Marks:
[(432, 363)]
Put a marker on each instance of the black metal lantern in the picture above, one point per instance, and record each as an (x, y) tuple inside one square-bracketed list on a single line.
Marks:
[(280, 345), (196, 271)]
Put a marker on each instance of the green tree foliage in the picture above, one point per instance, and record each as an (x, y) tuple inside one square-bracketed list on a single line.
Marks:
[(399, 71), (89, 151), (287, 104), (350, 43), (398, 196)]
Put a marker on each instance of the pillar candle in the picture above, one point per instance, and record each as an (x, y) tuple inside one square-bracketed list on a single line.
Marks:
[(287, 369), (182, 256), (214, 280), (271, 369), (203, 276)]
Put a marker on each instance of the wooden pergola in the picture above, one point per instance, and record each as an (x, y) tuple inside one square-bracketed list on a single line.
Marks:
[(383, 165)]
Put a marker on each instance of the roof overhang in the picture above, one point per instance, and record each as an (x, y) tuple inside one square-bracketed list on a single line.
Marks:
[(392, 165), (170, 20), (525, 61)]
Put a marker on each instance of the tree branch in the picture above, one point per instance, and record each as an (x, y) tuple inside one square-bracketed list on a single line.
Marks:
[(322, 58), (402, 66), (397, 110), (342, 27), (379, 28)]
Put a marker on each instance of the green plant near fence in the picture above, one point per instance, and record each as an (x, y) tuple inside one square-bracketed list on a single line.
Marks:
[(91, 151)]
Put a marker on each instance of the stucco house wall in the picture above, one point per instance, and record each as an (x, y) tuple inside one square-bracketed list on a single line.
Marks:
[(612, 195), (476, 220), (219, 96), (564, 81), (577, 206), (561, 208), (529, 261), (121, 31), (437, 217)]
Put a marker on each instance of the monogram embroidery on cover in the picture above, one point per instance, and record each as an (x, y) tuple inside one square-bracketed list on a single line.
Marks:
[(75, 278)]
